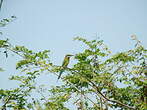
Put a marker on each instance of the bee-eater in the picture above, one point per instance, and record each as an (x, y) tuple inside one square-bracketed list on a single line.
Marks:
[(64, 64)]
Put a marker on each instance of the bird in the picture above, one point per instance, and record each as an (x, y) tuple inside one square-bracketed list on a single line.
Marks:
[(65, 64)]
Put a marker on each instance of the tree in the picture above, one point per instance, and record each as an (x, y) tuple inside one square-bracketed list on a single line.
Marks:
[(93, 83)]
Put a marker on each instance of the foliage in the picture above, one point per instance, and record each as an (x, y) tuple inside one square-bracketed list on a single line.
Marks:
[(98, 80), (5, 21)]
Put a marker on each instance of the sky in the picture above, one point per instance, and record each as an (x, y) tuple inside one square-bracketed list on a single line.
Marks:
[(52, 25)]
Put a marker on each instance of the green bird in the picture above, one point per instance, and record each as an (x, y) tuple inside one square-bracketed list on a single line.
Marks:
[(64, 64)]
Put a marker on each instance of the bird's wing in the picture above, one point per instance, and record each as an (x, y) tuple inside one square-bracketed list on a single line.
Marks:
[(65, 62)]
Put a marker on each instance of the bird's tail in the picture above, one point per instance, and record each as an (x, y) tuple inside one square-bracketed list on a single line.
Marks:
[(60, 74)]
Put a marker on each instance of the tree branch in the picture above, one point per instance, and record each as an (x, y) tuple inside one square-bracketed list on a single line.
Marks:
[(114, 101)]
